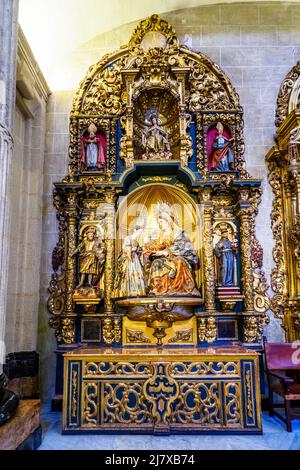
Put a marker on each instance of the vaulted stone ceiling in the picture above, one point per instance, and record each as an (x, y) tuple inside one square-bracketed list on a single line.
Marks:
[(55, 28)]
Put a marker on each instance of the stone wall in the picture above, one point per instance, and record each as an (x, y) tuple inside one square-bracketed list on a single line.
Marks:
[(256, 45), (25, 195)]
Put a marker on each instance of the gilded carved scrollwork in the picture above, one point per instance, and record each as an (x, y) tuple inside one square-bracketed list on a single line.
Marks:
[(245, 216), (252, 329), (71, 210), (117, 368), (182, 336), (67, 331), (156, 24), (208, 261), (161, 391), (284, 163), (95, 95), (204, 368), (74, 393), (57, 287), (207, 88), (91, 404), (288, 97), (136, 336), (232, 406), (198, 403), (278, 277), (124, 403), (105, 95), (111, 330), (110, 200), (249, 398)]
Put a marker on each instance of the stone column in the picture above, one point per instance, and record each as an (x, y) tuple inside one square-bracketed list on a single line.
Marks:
[(6, 148), (8, 41), (110, 198)]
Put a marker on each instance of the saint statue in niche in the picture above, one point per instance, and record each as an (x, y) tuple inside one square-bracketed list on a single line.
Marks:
[(91, 258), (221, 155), (225, 252), (130, 279), (93, 152), (170, 261), (155, 141)]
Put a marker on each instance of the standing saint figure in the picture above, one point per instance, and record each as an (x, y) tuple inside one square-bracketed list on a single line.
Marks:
[(225, 252), (155, 140), (130, 280), (171, 261), (222, 156), (91, 257), (93, 149)]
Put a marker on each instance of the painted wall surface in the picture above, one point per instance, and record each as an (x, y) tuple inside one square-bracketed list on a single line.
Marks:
[(255, 44)]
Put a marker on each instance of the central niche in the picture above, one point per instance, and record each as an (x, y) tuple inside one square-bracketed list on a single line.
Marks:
[(160, 218), (156, 126)]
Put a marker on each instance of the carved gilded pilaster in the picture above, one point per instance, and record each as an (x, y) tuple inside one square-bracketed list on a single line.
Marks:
[(71, 211), (208, 252), (284, 177), (110, 199), (67, 324), (246, 218)]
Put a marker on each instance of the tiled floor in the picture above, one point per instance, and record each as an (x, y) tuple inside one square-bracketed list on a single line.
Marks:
[(274, 437)]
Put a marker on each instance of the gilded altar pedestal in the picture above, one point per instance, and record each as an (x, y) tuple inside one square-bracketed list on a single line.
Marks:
[(160, 320), (162, 391)]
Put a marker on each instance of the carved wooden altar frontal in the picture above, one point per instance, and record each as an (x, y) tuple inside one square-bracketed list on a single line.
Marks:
[(162, 391)]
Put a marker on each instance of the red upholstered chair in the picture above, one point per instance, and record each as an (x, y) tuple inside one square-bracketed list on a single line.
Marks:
[(280, 363)]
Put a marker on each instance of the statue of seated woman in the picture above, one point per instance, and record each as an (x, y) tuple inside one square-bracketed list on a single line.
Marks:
[(155, 141), (171, 262)]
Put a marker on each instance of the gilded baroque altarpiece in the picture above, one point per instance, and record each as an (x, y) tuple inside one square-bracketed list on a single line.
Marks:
[(157, 271), (284, 177)]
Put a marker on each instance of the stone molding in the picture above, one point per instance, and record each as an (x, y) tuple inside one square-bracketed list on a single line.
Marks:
[(33, 74)]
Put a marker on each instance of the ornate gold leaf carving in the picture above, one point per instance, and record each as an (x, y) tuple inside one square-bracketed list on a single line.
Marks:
[(286, 93), (182, 336), (136, 336)]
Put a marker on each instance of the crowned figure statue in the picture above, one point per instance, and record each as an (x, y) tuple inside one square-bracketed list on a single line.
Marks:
[(170, 260), (155, 140)]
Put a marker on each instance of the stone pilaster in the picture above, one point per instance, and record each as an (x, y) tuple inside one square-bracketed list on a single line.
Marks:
[(6, 147), (8, 55), (8, 41)]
